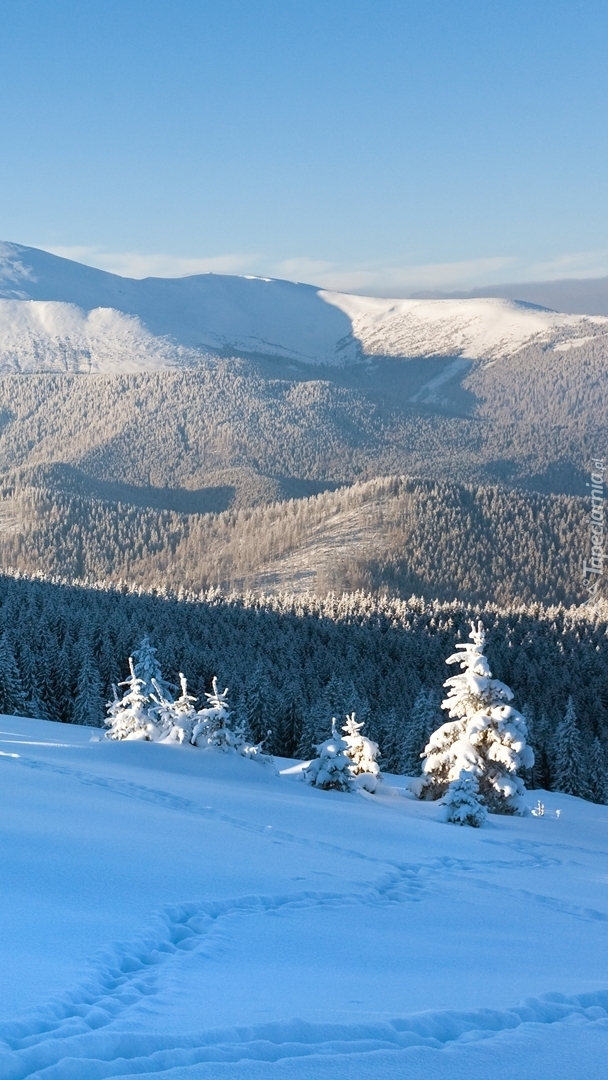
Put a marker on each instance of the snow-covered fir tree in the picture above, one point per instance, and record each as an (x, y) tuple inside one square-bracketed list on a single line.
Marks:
[(486, 736), (147, 668), (363, 754), (462, 802), (211, 728), (176, 719), (128, 717), (332, 768), (569, 758)]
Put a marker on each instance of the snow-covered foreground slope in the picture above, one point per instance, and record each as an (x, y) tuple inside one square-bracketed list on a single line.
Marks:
[(171, 913), (76, 313)]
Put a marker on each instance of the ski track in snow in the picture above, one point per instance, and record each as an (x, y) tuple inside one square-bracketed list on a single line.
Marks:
[(66, 1038)]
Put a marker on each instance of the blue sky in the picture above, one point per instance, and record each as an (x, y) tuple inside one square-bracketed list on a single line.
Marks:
[(373, 146)]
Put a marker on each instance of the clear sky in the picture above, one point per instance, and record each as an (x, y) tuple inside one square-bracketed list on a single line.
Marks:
[(372, 145)]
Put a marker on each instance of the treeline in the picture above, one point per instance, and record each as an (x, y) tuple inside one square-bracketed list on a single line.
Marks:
[(291, 662), (421, 537)]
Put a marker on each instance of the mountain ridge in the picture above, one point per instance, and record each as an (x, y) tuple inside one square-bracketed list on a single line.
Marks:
[(225, 315)]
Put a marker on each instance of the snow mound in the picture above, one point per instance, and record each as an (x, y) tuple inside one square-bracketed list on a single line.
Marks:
[(48, 336)]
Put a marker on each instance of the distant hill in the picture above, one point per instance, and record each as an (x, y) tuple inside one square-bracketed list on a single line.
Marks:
[(421, 537), (583, 296)]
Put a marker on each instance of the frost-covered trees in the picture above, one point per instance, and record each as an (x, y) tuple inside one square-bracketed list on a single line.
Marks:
[(345, 762), (148, 711), (128, 717), (332, 767), (486, 737), (462, 802), (569, 772), (362, 753)]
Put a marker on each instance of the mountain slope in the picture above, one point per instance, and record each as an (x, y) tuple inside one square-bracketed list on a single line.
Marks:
[(477, 329), (44, 336)]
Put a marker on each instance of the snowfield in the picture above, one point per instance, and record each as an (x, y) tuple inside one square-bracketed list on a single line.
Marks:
[(169, 912), (58, 315)]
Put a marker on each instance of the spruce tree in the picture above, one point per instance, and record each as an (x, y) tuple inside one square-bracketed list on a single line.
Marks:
[(596, 772), (416, 732), (332, 767), (88, 704), (176, 719), (539, 737), (363, 754), (147, 668), (486, 736), (569, 765), (128, 717), (462, 802), (258, 704), (211, 729), (288, 724), (12, 696)]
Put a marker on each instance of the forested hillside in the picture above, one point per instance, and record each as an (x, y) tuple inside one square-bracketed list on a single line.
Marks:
[(421, 537), (229, 433), (293, 662)]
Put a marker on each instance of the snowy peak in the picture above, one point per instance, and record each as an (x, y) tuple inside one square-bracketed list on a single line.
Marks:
[(157, 323)]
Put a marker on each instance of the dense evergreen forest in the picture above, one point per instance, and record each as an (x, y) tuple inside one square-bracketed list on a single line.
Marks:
[(291, 662), (421, 537)]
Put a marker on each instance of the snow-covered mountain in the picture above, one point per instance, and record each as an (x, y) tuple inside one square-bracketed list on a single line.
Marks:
[(58, 315)]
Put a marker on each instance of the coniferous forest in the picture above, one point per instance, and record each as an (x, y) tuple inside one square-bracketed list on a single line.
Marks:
[(291, 662)]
